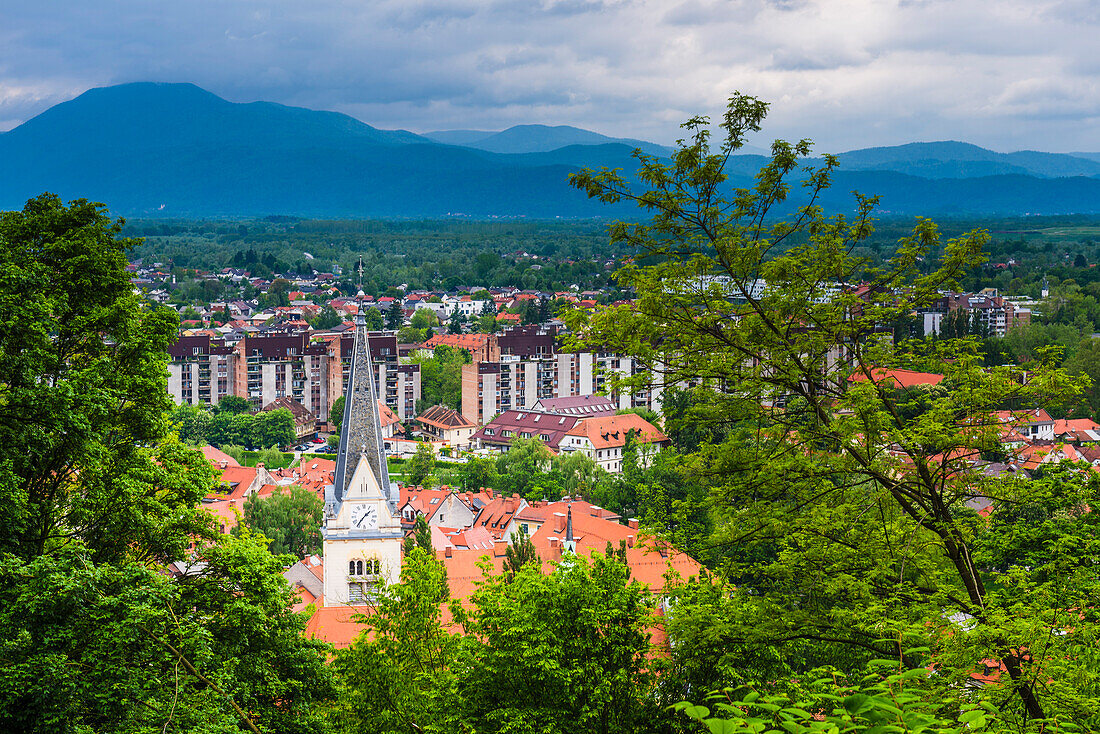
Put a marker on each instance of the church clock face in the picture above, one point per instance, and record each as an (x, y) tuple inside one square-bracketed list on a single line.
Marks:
[(364, 517)]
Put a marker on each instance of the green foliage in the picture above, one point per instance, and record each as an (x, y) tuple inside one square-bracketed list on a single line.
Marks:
[(192, 423), (519, 553), (522, 469), (423, 318), (234, 404), (394, 316), (236, 451), (441, 375), (326, 318), (273, 428), (563, 652), (650, 416), (290, 520), (422, 464), (897, 701), (82, 394), (839, 504), (487, 323), (98, 498), (336, 412), (397, 671), (421, 537)]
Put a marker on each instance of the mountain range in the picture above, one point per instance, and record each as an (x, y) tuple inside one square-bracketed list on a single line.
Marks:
[(150, 149)]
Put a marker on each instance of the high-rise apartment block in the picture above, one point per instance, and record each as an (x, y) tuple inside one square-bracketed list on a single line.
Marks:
[(263, 368), (531, 368)]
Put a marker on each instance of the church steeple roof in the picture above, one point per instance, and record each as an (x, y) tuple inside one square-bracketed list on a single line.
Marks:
[(361, 431)]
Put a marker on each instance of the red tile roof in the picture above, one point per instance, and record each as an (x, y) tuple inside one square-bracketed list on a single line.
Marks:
[(898, 378), (609, 431), (444, 417), (470, 342), (217, 456)]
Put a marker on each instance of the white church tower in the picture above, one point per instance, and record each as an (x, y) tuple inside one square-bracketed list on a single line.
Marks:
[(362, 529)]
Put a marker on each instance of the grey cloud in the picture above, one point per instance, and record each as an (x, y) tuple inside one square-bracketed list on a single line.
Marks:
[(857, 73)]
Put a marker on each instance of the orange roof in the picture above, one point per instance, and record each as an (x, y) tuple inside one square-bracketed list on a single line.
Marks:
[(386, 415), (226, 511), (216, 456), (239, 478), (424, 501), (610, 430), (443, 417), (899, 378), (496, 515), (1068, 425), (471, 342), (1023, 417), (335, 625)]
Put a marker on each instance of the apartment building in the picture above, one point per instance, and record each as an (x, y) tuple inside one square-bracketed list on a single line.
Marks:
[(268, 367), (996, 314), (202, 370), (530, 369)]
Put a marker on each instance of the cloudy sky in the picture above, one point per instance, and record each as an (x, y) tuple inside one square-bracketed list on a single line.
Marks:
[(1005, 74)]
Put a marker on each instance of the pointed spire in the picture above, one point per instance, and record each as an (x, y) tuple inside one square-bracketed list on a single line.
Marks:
[(361, 431), (569, 524)]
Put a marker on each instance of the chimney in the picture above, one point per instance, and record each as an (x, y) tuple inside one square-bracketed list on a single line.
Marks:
[(632, 523), (449, 552), (630, 541)]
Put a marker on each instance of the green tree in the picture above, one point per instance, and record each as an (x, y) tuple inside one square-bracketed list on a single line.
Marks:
[(813, 509), (233, 404), (422, 464), (395, 316), (519, 553), (98, 499), (234, 450), (423, 318), (441, 375), (564, 652), (274, 428), (522, 466), (487, 323), (397, 671), (579, 471), (373, 318), (192, 423), (326, 318), (454, 325), (336, 412), (82, 394), (290, 520), (421, 536)]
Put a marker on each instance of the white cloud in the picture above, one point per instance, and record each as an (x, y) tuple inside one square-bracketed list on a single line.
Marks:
[(848, 73)]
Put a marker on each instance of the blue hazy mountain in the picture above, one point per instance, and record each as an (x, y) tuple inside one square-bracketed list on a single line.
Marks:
[(538, 139), (952, 159), (177, 150)]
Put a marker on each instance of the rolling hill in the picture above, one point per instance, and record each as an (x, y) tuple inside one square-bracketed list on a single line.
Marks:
[(177, 150)]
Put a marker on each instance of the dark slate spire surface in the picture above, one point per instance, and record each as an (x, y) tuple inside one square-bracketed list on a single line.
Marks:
[(361, 431)]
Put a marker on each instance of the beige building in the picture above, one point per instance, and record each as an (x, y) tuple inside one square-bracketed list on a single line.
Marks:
[(441, 423), (603, 438)]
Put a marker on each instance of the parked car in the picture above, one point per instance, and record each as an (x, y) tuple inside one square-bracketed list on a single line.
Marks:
[(318, 440)]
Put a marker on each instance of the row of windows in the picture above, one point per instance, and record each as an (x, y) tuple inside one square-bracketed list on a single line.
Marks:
[(373, 567)]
